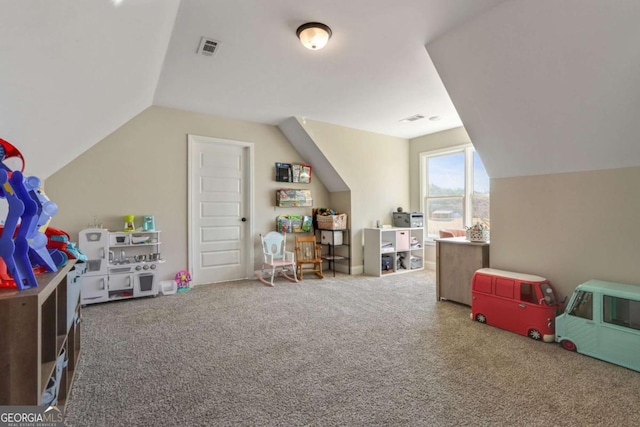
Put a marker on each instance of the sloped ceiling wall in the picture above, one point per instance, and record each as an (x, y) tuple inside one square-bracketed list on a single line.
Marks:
[(547, 86), (74, 71)]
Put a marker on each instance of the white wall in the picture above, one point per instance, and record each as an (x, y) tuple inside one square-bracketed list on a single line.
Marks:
[(568, 227), (547, 86), (141, 169), (374, 167)]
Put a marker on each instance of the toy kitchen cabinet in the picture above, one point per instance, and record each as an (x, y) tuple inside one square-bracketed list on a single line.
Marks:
[(120, 264)]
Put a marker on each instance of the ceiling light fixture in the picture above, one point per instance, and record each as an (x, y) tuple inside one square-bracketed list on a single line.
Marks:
[(313, 35)]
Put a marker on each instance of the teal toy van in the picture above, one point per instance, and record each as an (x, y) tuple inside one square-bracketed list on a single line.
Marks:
[(602, 320)]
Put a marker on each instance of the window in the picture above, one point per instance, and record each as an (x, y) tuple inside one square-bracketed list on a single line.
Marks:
[(455, 189), (582, 305), (622, 312), (528, 293), (504, 287)]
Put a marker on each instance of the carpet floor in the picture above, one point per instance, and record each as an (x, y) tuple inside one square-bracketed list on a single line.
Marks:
[(343, 351)]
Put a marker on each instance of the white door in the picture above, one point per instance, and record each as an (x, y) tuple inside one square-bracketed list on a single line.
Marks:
[(220, 186)]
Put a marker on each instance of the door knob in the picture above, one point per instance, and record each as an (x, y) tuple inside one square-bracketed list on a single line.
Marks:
[(244, 219)]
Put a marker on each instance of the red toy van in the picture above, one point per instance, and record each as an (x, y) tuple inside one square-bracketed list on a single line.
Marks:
[(520, 303)]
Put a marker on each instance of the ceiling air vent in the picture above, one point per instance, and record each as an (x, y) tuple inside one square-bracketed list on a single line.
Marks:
[(412, 118), (208, 47)]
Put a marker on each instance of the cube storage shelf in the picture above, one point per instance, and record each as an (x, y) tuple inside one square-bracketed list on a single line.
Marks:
[(40, 340), (393, 250)]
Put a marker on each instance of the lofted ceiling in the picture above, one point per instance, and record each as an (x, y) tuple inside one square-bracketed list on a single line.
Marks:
[(555, 85), (542, 86), (71, 72), (374, 71)]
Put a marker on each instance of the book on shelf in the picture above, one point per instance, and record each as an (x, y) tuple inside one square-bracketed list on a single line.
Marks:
[(386, 247)]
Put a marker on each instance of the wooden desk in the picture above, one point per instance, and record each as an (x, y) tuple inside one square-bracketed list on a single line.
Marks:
[(456, 261)]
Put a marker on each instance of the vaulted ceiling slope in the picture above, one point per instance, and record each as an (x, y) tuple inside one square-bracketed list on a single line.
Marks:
[(547, 86), (71, 72), (373, 73)]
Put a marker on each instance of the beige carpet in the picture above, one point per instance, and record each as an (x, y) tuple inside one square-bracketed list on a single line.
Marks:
[(343, 351)]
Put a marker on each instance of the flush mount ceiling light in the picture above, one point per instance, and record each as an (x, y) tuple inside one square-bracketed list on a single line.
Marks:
[(313, 35)]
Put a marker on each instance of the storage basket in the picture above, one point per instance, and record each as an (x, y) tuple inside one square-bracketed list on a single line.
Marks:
[(332, 222), (474, 235), (168, 287), (331, 238)]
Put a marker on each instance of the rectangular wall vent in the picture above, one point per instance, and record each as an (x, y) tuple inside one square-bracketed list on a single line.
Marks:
[(208, 47), (412, 118)]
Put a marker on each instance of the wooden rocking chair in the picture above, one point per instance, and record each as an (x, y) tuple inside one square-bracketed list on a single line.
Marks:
[(308, 252)]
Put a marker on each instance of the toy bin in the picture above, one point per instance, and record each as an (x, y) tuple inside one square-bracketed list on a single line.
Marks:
[(416, 262), (330, 237), (168, 287), (402, 240), (386, 263)]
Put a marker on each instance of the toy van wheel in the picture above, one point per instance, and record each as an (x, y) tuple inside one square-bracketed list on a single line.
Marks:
[(480, 318), (535, 334), (568, 345)]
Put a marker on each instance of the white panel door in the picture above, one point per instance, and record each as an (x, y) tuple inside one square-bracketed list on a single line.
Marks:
[(219, 230)]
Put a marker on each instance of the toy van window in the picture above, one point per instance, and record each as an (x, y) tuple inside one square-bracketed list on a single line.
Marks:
[(547, 294), (504, 288), (482, 283), (528, 293), (622, 312), (583, 305)]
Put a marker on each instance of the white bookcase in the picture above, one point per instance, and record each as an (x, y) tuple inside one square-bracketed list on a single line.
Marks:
[(395, 250)]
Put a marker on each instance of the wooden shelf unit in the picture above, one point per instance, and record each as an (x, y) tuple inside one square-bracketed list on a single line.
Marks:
[(37, 328)]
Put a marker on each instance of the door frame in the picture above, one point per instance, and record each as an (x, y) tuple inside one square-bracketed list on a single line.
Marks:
[(248, 196)]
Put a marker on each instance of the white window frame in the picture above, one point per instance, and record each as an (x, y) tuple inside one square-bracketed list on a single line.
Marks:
[(468, 151)]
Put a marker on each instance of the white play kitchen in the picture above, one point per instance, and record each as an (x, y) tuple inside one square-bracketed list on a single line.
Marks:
[(121, 264)]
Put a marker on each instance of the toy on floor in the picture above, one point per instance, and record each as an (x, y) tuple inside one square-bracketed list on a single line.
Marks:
[(183, 280), (520, 303), (602, 320)]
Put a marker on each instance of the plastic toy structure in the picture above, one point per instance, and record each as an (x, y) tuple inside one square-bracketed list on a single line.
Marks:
[(520, 303), (128, 223), (183, 280), (602, 320), (23, 251)]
